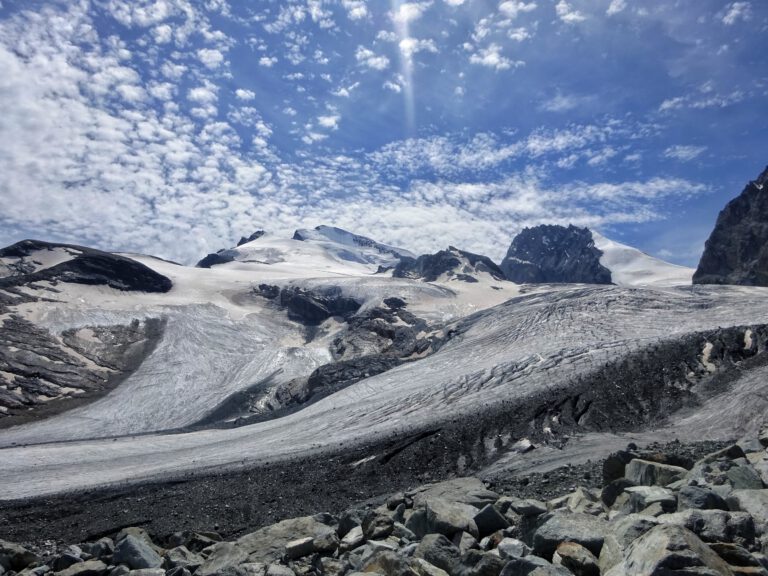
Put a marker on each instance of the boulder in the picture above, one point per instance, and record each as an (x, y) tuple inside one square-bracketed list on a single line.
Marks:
[(89, 568), (646, 473), (417, 523), (489, 520), (479, 563), (613, 490), (699, 498), (620, 534), (579, 560), (15, 557), (352, 539), (377, 526), (448, 518), (147, 572), (641, 497), (279, 570), (267, 544), (424, 568), (136, 552), (222, 556), (194, 541), (735, 556), (513, 548), (615, 465), (526, 507), (181, 557), (533, 566), (438, 551), (464, 542), (715, 525), (584, 500), (667, 548), (102, 548), (178, 571), (744, 478), (463, 490), (557, 527), (388, 563)]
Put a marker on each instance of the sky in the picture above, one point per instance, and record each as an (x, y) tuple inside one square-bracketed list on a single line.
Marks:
[(174, 127)]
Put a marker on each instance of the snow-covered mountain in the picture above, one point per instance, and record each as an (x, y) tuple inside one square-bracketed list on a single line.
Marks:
[(631, 267), (290, 346)]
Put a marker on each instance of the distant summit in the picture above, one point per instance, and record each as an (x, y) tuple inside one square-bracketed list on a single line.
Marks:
[(737, 250), (452, 263), (550, 253)]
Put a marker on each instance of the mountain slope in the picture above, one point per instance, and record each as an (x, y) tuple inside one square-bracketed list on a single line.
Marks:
[(737, 250)]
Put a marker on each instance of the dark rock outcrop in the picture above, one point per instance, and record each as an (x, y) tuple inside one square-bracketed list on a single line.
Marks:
[(87, 266), (255, 236), (737, 250), (221, 257), (308, 306), (550, 253), (453, 262)]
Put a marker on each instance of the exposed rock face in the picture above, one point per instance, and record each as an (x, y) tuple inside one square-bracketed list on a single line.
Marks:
[(737, 250), (80, 265), (452, 262), (255, 236), (550, 253)]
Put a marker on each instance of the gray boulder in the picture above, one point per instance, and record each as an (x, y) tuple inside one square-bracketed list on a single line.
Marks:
[(558, 527), (479, 563), (15, 557), (641, 497), (513, 548), (489, 520), (448, 518), (699, 498), (666, 550), (89, 568), (352, 539), (438, 551), (715, 525), (620, 534), (181, 557), (463, 490), (647, 473), (267, 544), (222, 556), (579, 560), (136, 553), (377, 526), (744, 478), (533, 566)]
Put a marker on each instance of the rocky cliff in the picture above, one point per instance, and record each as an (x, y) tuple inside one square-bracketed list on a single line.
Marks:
[(737, 250), (550, 253)]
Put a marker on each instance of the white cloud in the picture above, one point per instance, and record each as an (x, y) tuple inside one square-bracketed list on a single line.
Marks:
[(368, 58), (560, 103), (386, 36), (210, 57), (267, 61), (409, 12), (244, 95), (345, 91), (331, 121), (205, 94), (684, 153), (394, 86), (512, 8), (518, 34), (454, 2), (410, 46), (162, 34), (568, 13), (616, 7), (736, 11), (491, 57), (356, 9), (702, 101)]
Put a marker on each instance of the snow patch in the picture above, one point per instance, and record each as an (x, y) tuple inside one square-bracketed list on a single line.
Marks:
[(633, 268)]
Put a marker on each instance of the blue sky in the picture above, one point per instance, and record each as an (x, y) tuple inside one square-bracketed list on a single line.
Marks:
[(174, 127)]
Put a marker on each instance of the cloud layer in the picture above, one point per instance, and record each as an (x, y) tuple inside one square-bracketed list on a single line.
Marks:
[(174, 127)]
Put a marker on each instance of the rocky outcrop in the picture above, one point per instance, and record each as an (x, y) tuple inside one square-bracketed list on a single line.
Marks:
[(453, 263), (80, 265), (456, 528), (43, 370), (550, 253), (255, 236), (737, 250)]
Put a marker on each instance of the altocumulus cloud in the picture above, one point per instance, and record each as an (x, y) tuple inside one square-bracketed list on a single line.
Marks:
[(143, 138)]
